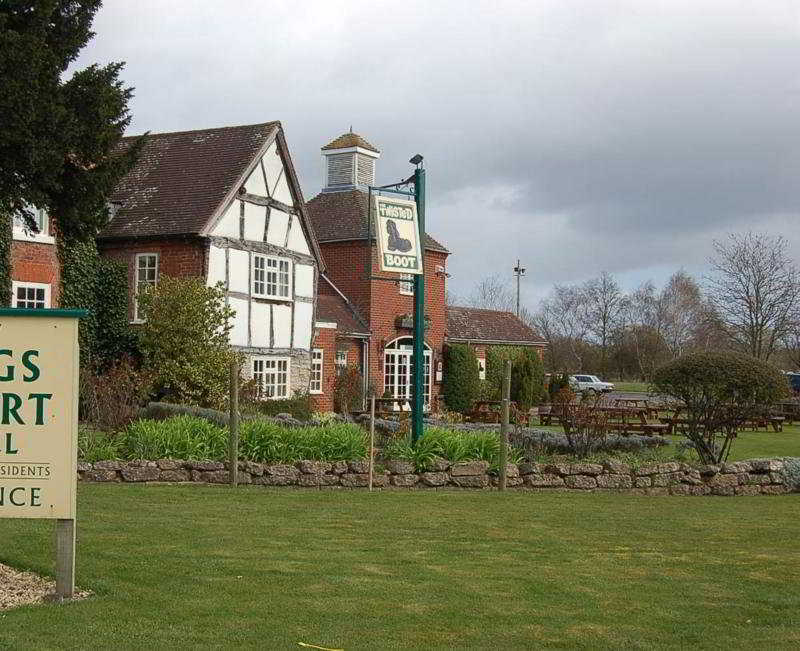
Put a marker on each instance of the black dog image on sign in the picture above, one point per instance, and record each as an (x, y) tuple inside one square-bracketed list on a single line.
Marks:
[(396, 243)]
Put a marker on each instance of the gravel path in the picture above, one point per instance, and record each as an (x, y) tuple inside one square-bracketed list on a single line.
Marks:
[(20, 588)]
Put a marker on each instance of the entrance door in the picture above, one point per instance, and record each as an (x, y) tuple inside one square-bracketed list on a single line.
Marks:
[(398, 370)]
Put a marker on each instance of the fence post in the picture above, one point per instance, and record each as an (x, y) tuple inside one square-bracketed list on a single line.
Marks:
[(233, 424), (371, 438), (506, 391)]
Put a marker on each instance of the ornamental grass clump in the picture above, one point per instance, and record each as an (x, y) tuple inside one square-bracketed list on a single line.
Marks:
[(719, 392), (268, 442), (97, 446), (179, 437)]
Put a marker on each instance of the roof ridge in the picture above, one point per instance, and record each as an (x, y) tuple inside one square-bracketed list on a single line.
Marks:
[(177, 133), (481, 309)]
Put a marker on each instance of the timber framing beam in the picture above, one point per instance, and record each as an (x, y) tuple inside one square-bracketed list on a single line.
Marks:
[(267, 201)]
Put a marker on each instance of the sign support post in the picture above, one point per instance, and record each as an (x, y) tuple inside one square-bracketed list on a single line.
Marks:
[(65, 559), (418, 354)]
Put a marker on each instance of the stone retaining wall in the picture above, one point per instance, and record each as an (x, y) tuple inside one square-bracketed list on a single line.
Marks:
[(754, 477)]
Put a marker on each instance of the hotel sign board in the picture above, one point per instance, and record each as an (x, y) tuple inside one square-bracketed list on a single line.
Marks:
[(39, 413), (397, 229)]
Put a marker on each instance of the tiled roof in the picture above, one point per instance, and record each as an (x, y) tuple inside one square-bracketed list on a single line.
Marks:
[(182, 178), (474, 324), (333, 308), (337, 216), (351, 139)]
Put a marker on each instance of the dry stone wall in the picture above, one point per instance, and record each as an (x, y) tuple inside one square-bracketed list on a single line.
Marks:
[(753, 477)]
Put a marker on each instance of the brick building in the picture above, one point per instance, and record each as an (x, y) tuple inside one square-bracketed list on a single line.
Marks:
[(35, 270), (383, 310), (225, 205)]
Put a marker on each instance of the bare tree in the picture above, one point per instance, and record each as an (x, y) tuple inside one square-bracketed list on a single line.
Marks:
[(604, 302), (754, 288), (492, 293), (562, 319)]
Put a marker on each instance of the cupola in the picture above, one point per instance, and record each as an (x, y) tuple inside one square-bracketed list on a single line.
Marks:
[(349, 163)]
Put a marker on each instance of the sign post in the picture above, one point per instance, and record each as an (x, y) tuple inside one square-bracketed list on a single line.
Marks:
[(418, 354), (39, 425)]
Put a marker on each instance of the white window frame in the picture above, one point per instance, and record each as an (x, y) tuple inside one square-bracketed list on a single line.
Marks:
[(137, 282), (21, 232), (278, 391), (261, 286), (481, 368), (406, 287), (317, 371), (17, 284)]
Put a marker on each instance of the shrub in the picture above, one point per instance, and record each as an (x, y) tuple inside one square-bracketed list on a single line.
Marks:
[(719, 392), (461, 384), (179, 437), (268, 442), (184, 341), (527, 379), (97, 446), (299, 406), (111, 399), (348, 394), (535, 443), (165, 410), (558, 382)]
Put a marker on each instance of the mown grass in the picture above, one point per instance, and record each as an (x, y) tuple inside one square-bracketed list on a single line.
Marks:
[(627, 387), (202, 567)]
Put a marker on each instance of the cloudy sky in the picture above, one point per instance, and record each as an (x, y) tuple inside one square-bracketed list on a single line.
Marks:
[(577, 135)]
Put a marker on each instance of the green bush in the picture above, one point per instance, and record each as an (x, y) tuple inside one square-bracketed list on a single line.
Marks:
[(719, 392), (461, 384), (97, 446), (179, 437), (299, 406), (453, 445), (348, 395), (527, 379), (184, 341), (558, 382), (268, 442)]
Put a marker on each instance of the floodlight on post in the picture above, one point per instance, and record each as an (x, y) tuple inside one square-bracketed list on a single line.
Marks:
[(416, 159)]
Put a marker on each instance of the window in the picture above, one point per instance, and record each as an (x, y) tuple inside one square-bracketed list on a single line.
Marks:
[(146, 276), (341, 361), (272, 377), (22, 232), (30, 295), (407, 286), (272, 277), (316, 371), (481, 368)]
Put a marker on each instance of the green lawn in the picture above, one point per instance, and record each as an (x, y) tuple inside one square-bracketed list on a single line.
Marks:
[(200, 567), (631, 386)]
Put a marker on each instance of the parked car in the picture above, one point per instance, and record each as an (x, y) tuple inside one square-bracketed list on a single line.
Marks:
[(589, 383)]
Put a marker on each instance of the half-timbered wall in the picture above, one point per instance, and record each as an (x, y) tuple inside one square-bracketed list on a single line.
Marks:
[(258, 239)]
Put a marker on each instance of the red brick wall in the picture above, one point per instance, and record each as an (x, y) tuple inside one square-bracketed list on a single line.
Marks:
[(345, 267), (36, 262), (179, 258), (325, 338)]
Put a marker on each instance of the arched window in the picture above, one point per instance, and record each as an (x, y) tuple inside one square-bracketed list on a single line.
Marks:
[(398, 370)]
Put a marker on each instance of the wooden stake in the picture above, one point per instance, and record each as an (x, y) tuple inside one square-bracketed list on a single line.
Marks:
[(371, 438), (65, 559), (233, 424), (506, 391)]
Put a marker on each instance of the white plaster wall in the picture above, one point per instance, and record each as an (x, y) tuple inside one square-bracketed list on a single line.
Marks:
[(239, 271), (216, 265), (228, 226), (238, 334), (282, 323), (254, 218), (273, 165), (282, 193), (304, 280), (278, 221), (302, 325), (259, 326), (297, 239), (255, 182)]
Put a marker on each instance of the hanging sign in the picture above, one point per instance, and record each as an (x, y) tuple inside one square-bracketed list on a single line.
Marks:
[(39, 416), (398, 235)]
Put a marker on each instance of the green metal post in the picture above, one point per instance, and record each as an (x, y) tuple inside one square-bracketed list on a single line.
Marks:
[(418, 357)]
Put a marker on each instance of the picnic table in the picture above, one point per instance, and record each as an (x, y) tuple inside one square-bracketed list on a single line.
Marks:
[(490, 411), (753, 422)]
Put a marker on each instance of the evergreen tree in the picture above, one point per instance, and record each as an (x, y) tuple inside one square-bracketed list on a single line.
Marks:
[(59, 139), (527, 379), (461, 377)]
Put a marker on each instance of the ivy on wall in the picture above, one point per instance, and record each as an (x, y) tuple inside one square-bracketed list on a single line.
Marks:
[(6, 236), (100, 286)]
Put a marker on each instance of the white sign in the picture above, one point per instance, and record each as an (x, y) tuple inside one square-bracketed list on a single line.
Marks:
[(398, 235), (39, 414)]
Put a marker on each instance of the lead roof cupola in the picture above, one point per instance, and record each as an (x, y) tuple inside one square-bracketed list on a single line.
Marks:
[(349, 163)]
